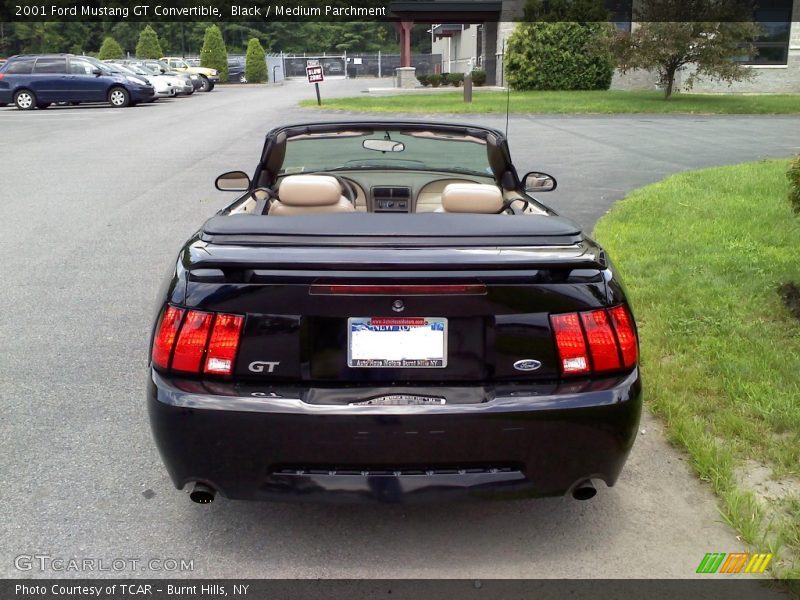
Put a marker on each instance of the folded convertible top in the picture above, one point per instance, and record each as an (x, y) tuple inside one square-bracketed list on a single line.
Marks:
[(365, 229)]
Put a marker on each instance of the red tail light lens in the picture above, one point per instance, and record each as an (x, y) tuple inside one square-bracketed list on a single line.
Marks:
[(202, 342), (166, 332), (223, 344), (571, 345), (191, 344), (602, 345), (606, 336), (623, 324)]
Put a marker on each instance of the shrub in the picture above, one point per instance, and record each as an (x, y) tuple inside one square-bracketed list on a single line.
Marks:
[(423, 78), (479, 78), (445, 78), (214, 55), (455, 79), (793, 174), (435, 79), (559, 56), (255, 65), (111, 49), (148, 46)]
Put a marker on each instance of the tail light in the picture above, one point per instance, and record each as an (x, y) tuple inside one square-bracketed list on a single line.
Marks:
[(595, 341), (2, 76), (197, 342)]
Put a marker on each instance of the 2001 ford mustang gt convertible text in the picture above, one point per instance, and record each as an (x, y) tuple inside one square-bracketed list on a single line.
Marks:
[(387, 313)]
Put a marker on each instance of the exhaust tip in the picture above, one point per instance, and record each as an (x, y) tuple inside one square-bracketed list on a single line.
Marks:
[(585, 490), (202, 494)]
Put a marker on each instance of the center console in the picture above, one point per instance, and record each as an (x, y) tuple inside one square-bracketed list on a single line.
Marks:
[(391, 199)]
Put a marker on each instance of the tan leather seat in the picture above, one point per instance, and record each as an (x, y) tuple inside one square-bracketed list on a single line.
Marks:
[(471, 198), (309, 194)]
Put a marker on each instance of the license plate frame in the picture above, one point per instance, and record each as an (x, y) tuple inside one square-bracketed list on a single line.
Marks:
[(423, 338)]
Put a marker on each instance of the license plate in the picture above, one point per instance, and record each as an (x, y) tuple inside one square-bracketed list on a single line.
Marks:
[(401, 400), (397, 342)]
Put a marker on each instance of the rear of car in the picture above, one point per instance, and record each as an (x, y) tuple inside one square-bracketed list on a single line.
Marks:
[(236, 68), (403, 358)]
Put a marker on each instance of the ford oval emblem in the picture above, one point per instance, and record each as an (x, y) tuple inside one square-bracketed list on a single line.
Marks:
[(527, 364)]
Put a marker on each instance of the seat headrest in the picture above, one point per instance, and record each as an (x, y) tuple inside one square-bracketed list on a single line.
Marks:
[(309, 190), (472, 198)]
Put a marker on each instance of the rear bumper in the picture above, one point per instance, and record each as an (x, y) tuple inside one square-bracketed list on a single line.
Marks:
[(308, 443)]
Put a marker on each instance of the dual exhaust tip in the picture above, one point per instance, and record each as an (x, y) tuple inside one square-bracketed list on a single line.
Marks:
[(204, 494)]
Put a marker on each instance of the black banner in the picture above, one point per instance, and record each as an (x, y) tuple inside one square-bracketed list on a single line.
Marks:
[(734, 588), (420, 11)]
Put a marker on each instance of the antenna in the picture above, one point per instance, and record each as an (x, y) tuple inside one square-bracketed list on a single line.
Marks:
[(508, 88)]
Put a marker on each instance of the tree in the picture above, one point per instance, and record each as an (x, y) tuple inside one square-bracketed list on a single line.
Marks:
[(255, 66), (666, 43), (111, 49), (214, 55), (562, 45), (148, 46)]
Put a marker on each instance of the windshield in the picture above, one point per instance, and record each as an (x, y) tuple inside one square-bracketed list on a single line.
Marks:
[(134, 69), (415, 151)]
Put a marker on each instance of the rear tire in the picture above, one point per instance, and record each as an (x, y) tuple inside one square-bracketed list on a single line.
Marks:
[(211, 86), (119, 97), (25, 100), (205, 84)]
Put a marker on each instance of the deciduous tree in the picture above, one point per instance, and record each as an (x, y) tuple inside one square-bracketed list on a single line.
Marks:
[(707, 46)]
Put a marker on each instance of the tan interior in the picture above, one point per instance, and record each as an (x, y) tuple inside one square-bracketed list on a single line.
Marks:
[(471, 198), (308, 194)]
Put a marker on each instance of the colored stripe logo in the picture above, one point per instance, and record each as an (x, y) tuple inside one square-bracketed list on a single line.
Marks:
[(735, 562)]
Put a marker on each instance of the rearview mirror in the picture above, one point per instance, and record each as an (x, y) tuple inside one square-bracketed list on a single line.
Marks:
[(384, 145), (539, 182), (97, 71), (233, 181)]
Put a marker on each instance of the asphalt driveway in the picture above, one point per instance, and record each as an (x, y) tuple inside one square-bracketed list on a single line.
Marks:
[(95, 203)]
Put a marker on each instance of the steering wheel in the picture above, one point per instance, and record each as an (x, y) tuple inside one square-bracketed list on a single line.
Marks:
[(347, 187)]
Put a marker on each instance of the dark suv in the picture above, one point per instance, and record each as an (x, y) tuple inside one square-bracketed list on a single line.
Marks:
[(37, 80)]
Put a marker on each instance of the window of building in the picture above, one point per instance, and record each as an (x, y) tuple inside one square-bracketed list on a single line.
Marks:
[(775, 18)]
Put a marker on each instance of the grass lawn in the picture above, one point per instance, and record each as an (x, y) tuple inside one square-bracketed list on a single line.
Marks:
[(703, 255), (591, 102)]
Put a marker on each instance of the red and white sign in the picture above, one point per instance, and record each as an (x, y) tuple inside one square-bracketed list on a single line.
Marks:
[(314, 74)]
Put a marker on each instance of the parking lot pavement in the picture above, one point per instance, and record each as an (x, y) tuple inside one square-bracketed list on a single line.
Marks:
[(95, 205)]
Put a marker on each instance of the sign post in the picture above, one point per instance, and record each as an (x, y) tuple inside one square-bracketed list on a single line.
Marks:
[(315, 75)]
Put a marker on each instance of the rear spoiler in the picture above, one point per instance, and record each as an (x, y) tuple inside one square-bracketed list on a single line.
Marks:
[(365, 242), (395, 231)]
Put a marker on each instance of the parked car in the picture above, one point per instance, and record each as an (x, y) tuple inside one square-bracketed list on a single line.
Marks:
[(159, 67), (208, 77), (332, 67), (177, 84), (389, 312), (236, 65), (163, 89), (37, 80)]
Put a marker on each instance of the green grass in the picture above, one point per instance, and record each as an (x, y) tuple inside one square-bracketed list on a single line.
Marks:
[(703, 254), (588, 102)]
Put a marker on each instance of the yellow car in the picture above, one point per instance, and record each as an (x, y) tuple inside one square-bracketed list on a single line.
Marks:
[(208, 77)]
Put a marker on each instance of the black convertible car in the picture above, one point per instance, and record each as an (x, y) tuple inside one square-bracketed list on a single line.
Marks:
[(388, 313)]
